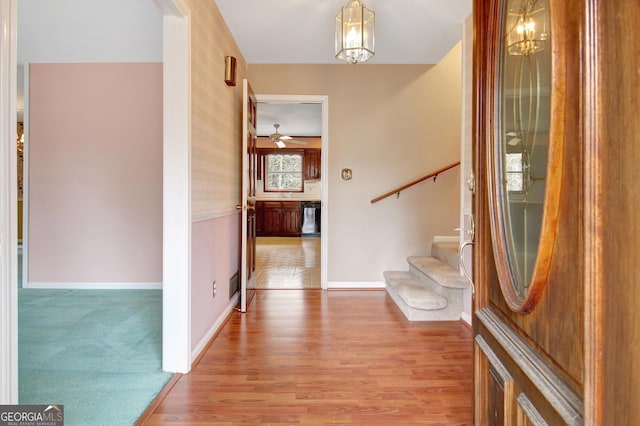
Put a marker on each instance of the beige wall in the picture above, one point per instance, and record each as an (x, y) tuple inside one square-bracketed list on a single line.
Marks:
[(390, 124), (215, 114), (216, 125)]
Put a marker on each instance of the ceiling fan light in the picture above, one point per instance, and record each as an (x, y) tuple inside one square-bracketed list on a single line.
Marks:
[(280, 144), (355, 38)]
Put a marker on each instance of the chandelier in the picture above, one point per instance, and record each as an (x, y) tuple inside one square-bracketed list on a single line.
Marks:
[(527, 27), (355, 41)]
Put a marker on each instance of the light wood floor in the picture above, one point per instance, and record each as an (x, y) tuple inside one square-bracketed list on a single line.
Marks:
[(313, 357), (283, 262)]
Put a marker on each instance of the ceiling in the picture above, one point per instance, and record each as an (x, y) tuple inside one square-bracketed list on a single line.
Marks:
[(295, 119), (302, 31)]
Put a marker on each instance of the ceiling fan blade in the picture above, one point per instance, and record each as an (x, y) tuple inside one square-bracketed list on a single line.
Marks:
[(278, 138)]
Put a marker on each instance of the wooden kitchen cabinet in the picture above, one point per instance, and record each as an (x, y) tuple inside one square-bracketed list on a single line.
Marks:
[(268, 217), (290, 218), (278, 218), (312, 164), (262, 154)]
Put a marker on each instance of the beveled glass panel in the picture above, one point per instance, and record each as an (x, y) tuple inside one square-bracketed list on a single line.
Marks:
[(521, 152)]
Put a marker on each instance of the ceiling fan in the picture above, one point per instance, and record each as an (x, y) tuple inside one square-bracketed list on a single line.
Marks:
[(279, 139)]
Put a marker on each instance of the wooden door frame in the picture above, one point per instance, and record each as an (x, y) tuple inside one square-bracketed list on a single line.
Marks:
[(248, 174)]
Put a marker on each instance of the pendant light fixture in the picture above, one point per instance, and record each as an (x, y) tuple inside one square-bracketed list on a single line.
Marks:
[(355, 41), (527, 27)]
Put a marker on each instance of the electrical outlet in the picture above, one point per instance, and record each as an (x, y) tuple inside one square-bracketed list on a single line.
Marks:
[(214, 288)]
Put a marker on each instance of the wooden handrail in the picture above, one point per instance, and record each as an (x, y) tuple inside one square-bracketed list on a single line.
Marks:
[(433, 175)]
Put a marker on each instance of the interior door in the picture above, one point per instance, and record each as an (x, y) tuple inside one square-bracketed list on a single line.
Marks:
[(249, 163)]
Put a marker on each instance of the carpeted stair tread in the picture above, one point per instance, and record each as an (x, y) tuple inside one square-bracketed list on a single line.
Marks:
[(413, 292), (438, 271)]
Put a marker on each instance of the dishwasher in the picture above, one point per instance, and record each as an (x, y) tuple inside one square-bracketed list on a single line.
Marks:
[(310, 218)]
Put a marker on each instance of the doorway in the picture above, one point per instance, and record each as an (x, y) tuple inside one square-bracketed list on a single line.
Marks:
[(288, 263), (294, 261)]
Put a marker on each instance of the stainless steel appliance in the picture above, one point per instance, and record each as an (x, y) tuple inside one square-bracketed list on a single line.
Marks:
[(310, 218)]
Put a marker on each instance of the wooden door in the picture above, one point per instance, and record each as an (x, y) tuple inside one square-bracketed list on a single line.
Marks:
[(248, 220), (611, 217), (569, 358), (529, 351)]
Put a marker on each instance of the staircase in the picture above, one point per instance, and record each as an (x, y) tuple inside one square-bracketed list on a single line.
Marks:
[(432, 289)]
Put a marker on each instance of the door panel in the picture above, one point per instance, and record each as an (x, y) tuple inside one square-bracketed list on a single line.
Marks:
[(572, 357), (612, 230), (248, 198), (271, 216), (541, 348), (291, 218)]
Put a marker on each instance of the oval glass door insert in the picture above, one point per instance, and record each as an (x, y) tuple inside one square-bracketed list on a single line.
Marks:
[(522, 152)]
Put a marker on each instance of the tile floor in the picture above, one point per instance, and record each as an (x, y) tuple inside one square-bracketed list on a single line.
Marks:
[(287, 263)]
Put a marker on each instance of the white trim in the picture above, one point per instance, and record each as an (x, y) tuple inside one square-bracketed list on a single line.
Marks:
[(97, 286), (466, 159), (202, 344), (8, 204), (324, 217), (464, 316), (324, 166), (357, 285), (176, 262)]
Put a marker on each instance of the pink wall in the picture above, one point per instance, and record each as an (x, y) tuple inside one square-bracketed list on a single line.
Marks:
[(95, 173), (214, 256)]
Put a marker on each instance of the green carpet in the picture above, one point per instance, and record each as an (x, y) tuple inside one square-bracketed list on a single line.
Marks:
[(97, 352)]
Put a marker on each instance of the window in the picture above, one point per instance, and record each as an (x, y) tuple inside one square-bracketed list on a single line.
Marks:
[(284, 172), (515, 172)]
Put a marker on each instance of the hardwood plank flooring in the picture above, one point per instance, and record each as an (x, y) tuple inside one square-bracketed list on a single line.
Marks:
[(312, 357)]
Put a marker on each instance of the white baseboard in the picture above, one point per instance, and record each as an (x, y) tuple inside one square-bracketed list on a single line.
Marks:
[(466, 318), (358, 285), (94, 286), (202, 344)]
